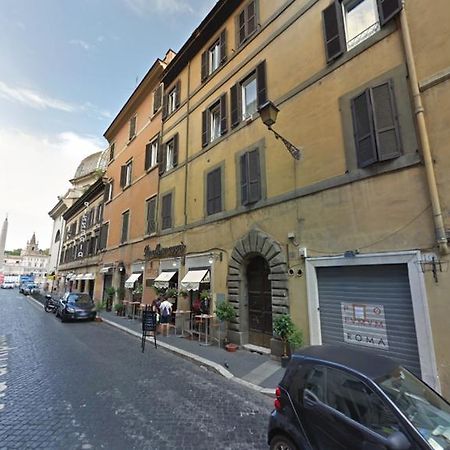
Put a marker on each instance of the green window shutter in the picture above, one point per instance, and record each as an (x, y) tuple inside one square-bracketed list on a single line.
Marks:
[(235, 96), (148, 156), (387, 133), (223, 46), (223, 114), (204, 66), (261, 84), (333, 26), (175, 150), (363, 130), (244, 179), (388, 9), (205, 140), (254, 177)]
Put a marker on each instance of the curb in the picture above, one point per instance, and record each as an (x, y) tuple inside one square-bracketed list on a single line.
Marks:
[(197, 359)]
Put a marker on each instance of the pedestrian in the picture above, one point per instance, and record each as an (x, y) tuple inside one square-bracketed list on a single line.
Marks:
[(166, 315)]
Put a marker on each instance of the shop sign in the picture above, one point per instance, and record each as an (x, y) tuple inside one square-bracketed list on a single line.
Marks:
[(164, 252), (364, 324)]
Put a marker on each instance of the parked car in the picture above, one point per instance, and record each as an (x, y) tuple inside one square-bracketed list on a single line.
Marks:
[(28, 288), (7, 285), (75, 305), (343, 398)]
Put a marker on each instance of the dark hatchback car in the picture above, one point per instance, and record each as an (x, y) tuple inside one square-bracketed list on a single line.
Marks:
[(75, 306), (342, 398)]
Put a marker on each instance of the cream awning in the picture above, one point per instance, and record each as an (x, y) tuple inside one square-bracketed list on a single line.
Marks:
[(192, 280), (89, 276), (79, 276), (130, 281), (162, 280), (106, 269)]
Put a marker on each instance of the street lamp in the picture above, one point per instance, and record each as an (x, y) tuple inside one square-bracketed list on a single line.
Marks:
[(268, 113)]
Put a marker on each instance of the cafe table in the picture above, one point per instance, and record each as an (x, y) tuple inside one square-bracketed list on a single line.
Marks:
[(133, 308), (182, 314), (205, 318)]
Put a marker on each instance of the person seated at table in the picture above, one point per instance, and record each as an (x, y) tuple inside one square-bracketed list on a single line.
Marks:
[(165, 315)]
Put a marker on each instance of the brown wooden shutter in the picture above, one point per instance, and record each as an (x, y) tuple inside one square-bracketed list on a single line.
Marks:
[(151, 213), (177, 99), (241, 27), (205, 137), (223, 46), (235, 96), (387, 9), (165, 106), (148, 156), (261, 84), (223, 114), (175, 150), (254, 177), (385, 121), (205, 66), (333, 30), (125, 220), (251, 18), (157, 97), (123, 176), (363, 130), (244, 179)]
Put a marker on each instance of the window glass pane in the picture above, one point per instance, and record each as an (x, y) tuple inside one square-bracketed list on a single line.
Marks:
[(215, 123), (214, 57), (169, 156), (361, 21), (249, 99), (172, 100), (154, 155), (316, 382)]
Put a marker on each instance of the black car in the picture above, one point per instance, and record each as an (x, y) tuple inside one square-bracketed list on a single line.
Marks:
[(75, 306), (343, 398)]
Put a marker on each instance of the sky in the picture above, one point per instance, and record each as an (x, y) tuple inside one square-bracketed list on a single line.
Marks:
[(66, 69)]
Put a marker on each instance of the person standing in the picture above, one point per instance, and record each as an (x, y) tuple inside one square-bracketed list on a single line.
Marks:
[(165, 315)]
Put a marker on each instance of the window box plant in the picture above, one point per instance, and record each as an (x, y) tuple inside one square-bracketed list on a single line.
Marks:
[(288, 332)]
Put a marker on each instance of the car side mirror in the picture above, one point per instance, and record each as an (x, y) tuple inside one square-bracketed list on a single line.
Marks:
[(398, 441)]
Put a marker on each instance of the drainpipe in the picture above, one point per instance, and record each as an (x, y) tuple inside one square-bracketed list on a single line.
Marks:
[(441, 237)]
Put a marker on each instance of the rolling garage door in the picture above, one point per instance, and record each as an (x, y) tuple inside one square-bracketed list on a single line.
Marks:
[(369, 307)]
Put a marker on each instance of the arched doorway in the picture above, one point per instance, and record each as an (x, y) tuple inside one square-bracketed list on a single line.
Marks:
[(259, 302)]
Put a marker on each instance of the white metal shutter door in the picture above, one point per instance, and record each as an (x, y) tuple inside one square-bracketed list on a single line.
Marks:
[(383, 285)]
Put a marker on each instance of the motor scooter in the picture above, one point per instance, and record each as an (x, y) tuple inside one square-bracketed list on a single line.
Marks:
[(51, 304)]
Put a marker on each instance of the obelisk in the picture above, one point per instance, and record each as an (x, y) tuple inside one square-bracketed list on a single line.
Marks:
[(3, 243)]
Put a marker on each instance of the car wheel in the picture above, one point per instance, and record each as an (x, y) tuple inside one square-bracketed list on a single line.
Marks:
[(280, 442)]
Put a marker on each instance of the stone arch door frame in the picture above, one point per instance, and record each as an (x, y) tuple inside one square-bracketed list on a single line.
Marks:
[(256, 243)]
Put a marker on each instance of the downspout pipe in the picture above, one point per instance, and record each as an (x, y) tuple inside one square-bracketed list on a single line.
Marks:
[(441, 236)]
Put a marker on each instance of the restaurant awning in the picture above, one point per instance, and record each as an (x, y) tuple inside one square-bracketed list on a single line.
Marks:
[(131, 280), (89, 276), (192, 280), (106, 269), (79, 276), (162, 280)]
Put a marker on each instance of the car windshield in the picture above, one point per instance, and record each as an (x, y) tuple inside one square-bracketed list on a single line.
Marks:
[(79, 299), (426, 410)]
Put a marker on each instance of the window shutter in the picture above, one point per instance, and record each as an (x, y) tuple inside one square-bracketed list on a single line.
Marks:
[(223, 46), (363, 130), (251, 18), (235, 94), (210, 194), (111, 151), (165, 106), (254, 177), (333, 30), (175, 150), (132, 127), (204, 66), (166, 211), (125, 218), (106, 192), (123, 176), (205, 140), (261, 83), (241, 27), (151, 211), (148, 156), (177, 99), (161, 158), (385, 121), (217, 189), (387, 9), (157, 97), (244, 179), (223, 114)]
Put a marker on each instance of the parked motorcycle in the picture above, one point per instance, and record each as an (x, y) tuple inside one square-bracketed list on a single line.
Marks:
[(51, 304)]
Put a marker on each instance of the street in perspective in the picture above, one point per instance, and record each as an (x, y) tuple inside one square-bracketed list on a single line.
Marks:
[(225, 224)]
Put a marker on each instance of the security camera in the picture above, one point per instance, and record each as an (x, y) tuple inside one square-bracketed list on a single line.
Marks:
[(291, 272)]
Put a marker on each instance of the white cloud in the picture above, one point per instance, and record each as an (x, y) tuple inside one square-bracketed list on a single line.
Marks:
[(81, 43), (34, 170), (168, 6), (33, 98)]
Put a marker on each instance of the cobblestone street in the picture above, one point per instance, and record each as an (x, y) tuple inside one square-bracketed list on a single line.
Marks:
[(88, 386)]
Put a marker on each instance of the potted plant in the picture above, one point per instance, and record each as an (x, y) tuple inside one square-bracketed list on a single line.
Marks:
[(205, 298), (110, 292), (225, 313), (171, 293), (183, 293), (100, 307), (137, 292), (287, 331), (120, 309)]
